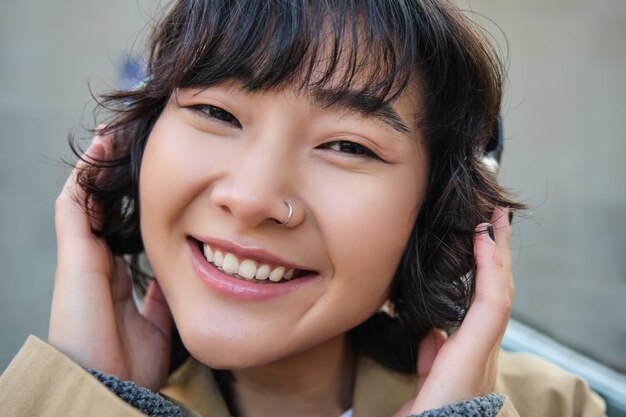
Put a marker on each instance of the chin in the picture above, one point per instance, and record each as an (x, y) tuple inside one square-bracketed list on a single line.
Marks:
[(218, 351)]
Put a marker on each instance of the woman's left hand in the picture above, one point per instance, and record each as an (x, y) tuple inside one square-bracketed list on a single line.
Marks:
[(463, 366)]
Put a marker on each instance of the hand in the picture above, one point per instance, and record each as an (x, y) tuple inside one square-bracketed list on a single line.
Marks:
[(463, 366), (94, 319)]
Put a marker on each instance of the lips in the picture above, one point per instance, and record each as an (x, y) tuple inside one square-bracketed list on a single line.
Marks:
[(248, 267), (235, 286)]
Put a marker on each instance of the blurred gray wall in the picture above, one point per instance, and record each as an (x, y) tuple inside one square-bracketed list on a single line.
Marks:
[(50, 51), (564, 153), (564, 116)]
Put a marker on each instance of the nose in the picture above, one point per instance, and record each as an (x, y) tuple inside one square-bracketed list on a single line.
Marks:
[(256, 189)]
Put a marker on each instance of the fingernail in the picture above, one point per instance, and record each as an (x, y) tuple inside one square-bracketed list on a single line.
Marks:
[(490, 232)]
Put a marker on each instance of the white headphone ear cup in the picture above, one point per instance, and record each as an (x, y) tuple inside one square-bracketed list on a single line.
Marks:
[(493, 150), (491, 163)]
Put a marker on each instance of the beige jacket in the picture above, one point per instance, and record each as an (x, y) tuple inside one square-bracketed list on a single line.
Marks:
[(41, 381)]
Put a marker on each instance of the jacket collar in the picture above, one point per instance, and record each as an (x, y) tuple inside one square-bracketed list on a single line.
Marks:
[(377, 390)]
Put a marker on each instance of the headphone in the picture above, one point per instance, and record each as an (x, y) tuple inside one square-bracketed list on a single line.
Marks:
[(493, 151)]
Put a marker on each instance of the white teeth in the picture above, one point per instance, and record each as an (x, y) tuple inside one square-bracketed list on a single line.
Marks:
[(218, 258), (263, 272), (208, 253), (277, 274), (246, 268), (289, 274), (231, 264)]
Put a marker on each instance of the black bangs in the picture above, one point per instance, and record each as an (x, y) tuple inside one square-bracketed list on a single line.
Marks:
[(365, 48)]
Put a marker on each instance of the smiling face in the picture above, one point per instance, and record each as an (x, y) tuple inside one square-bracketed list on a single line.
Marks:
[(217, 169)]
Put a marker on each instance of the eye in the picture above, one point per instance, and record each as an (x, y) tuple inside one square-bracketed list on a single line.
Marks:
[(351, 148), (217, 113)]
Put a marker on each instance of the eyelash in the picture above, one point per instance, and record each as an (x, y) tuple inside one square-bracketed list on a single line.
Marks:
[(216, 113), (353, 149)]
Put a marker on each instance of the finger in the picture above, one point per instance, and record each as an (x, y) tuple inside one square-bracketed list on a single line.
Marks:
[(121, 285), (73, 220), (502, 233), (105, 140), (501, 220), (489, 312), (502, 228), (428, 349), (156, 310)]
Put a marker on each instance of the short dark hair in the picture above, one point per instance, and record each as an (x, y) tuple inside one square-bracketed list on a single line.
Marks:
[(380, 48)]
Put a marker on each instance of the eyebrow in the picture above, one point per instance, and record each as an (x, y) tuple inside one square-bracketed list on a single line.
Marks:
[(367, 106)]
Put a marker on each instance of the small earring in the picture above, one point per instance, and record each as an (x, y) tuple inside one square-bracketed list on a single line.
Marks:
[(286, 222)]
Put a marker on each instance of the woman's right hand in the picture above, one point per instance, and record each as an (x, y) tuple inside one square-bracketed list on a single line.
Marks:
[(94, 319)]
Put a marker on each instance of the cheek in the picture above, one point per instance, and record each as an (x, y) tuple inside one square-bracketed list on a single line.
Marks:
[(158, 188), (173, 173), (366, 224), (169, 181), (166, 171)]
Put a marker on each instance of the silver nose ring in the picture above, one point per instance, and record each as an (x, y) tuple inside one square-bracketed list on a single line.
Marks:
[(286, 222)]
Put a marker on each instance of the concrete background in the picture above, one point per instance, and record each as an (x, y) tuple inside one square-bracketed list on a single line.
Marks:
[(564, 116)]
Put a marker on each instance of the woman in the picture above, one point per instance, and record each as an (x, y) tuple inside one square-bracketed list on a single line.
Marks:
[(307, 184)]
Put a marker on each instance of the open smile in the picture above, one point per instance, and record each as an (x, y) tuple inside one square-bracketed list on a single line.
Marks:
[(245, 273)]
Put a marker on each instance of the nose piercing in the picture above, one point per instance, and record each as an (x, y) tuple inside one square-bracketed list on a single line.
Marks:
[(286, 222)]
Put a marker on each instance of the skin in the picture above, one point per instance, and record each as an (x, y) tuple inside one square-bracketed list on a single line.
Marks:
[(201, 174)]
